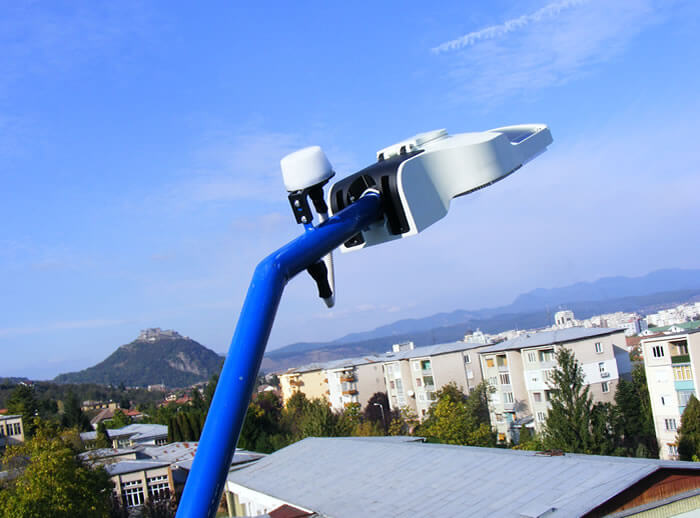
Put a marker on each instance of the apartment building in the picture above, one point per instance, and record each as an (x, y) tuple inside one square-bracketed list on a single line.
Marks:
[(11, 430), (672, 365), (344, 383), (520, 371), (413, 376)]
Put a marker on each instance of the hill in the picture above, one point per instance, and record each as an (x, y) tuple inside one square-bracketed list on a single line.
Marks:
[(645, 294), (154, 357)]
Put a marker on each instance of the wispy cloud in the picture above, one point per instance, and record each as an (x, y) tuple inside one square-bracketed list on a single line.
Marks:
[(511, 25), (548, 47)]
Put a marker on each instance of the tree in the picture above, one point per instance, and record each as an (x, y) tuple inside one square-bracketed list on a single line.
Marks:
[(377, 410), (634, 422), (568, 425), (103, 440), (689, 432), (119, 420), (198, 402), (52, 480), (210, 389), (459, 419), (23, 402), (73, 415)]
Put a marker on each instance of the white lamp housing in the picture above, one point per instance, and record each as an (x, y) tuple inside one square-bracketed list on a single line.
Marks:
[(305, 168), (419, 177)]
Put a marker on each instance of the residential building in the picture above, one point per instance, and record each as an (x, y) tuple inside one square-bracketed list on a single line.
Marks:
[(412, 377), (11, 430), (132, 435), (520, 371), (359, 477), (672, 365), (142, 473)]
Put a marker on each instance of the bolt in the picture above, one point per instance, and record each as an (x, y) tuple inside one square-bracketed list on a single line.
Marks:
[(303, 219), (296, 203)]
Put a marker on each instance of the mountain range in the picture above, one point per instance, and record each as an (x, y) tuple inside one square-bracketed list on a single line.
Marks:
[(645, 294)]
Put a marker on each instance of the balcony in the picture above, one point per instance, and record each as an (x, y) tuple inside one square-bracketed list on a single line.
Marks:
[(681, 358), (296, 383), (349, 392), (605, 374), (351, 405), (347, 378)]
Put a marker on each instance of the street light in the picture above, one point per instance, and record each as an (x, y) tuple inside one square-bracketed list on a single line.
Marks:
[(381, 407), (409, 188)]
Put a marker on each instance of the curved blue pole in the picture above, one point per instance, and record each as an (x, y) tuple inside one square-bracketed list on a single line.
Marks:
[(217, 444)]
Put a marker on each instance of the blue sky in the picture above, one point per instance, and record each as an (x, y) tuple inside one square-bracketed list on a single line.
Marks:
[(140, 147)]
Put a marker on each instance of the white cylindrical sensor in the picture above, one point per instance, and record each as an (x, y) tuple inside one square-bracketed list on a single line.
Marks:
[(305, 168)]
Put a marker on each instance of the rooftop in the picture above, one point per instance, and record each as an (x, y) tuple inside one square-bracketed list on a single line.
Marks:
[(378, 478), (557, 336), (137, 431)]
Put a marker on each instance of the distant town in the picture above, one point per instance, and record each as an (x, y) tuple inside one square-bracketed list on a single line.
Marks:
[(513, 393)]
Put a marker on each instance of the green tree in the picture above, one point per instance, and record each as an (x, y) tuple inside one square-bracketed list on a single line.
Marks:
[(22, 401), (73, 415), (568, 425), (52, 481), (198, 402), (210, 389), (689, 432), (456, 418), (103, 440), (187, 432), (119, 420)]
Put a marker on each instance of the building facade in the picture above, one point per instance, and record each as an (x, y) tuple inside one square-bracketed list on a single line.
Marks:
[(672, 365), (11, 430), (520, 372)]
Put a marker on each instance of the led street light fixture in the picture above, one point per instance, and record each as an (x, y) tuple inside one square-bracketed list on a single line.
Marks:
[(418, 177)]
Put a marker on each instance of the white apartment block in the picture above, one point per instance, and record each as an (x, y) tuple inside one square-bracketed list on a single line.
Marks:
[(520, 370), (672, 364), (412, 377), (677, 315)]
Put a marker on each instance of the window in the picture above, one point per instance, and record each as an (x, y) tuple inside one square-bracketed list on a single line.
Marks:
[(392, 384), (682, 373), (419, 382), (663, 400), (416, 366), (161, 442), (505, 379), (598, 347), (548, 374), (657, 351), (673, 450), (541, 417), (606, 387), (467, 359), (601, 368), (547, 355), (425, 365), (670, 424), (683, 397), (158, 487), (2, 430), (133, 493), (421, 397), (531, 357), (548, 394), (390, 370), (17, 429), (470, 374), (499, 418), (428, 381), (537, 396), (399, 387), (489, 362), (431, 396), (508, 397), (492, 381), (502, 360)]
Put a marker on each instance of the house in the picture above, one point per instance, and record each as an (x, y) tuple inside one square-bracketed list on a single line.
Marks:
[(11, 430), (359, 477), (132, 435), (672, 365), (520, 370)]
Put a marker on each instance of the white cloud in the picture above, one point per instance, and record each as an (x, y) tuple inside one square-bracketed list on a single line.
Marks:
[(494, 31), (548, 47)]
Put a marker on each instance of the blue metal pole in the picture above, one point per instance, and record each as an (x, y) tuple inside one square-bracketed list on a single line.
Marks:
[(217, 444)]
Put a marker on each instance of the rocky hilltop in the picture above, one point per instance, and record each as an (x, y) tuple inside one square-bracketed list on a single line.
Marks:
[(156, 356)]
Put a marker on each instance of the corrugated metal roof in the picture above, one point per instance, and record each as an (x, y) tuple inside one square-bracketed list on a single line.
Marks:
[(361, 477), (130, 466), (137, 431), (556, 336)]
